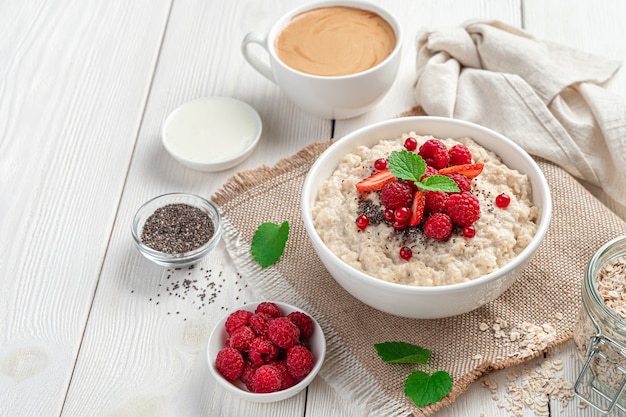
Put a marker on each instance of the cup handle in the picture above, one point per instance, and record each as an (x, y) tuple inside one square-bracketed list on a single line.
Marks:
[(262, 67)]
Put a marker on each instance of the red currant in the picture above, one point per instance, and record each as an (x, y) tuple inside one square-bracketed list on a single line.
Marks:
[(469, 232), (402, 214), (406, 253), (503, 200), (389, 215), (380, 164), (399, 225), (410, 144), (362, 221)]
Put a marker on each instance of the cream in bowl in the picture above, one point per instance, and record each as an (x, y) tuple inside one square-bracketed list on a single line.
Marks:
[(211, 134), (410, 270)]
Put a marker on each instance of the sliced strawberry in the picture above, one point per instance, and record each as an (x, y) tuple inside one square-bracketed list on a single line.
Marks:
[(417, 208), (469, 170), (376, 181)]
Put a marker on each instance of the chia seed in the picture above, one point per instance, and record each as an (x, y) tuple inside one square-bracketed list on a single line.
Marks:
[(177, 228)]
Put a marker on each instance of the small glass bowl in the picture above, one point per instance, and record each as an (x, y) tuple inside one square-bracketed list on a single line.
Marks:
[(175, 259)]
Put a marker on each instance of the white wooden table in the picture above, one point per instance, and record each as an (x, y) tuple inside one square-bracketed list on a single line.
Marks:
[(87, 327)]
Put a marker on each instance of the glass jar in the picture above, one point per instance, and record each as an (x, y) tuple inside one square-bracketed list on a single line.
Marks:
[(600, 332)]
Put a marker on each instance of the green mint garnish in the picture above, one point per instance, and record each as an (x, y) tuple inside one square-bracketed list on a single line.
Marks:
[(411, 167), (422, 387), (268, 243)]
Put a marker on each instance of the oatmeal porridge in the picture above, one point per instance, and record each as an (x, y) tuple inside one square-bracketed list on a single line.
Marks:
[(499, 233)]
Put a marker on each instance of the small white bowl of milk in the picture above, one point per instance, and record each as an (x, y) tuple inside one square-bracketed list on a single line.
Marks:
[(211, 134)]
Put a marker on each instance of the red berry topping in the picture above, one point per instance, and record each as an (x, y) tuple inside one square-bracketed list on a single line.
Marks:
[(299, 361), (362, 221), (459, 155), (380, 164), (402, 214), (283, 332), (237, 319), (435, 153), (410, 144), (399, 225), (376, 181), (463, 208), (229, 363), (270, 308), (430, 171), (469, 232), (503, 200), (241, 338), (438, 226), (267, 378), (469, 170), (304, 323), (406, 253), (396, 194), (259, 322), (389, 215), (417, 208), (462, 182), (436, 201)]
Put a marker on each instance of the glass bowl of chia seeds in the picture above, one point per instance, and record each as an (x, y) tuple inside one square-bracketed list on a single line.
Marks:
[(176, 229)]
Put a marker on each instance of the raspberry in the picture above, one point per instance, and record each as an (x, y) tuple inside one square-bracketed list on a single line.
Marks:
[(237, 319), (270, 308), (283, 332), (299, 361), (304, 323), (229, 362), (459, 155), (438, 226), (436, 201), (267, 378), (262, 351), (430, 171), (462, 181), (434, 153), (241, 338), (259, 323), (288, 380), (396, 194), (463, 208), (248, 372)]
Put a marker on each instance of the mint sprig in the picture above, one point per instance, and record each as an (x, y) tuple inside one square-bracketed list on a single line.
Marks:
[(422, 387), (411, 167), (268, 243)]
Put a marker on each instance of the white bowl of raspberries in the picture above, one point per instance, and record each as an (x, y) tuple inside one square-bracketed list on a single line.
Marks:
[(266, 351)]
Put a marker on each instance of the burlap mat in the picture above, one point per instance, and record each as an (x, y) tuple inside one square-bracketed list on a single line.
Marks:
[(538, 312)]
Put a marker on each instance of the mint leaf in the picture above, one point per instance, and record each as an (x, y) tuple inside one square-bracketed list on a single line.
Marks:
[(438, 183), (410, 166), (426, 389), (401, 352), (407, 165), (268, 243)]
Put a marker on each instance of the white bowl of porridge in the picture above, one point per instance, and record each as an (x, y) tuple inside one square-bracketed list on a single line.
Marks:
[(416, 248)]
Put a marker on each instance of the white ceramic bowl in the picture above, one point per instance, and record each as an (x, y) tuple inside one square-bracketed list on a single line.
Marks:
[(218, 336), (211, 134), (415, 301)]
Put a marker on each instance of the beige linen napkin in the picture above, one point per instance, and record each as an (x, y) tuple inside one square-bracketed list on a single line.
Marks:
[(544, 96), (540, 309)]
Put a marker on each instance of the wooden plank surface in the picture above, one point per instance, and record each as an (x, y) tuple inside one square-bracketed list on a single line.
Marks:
[(74, 79)]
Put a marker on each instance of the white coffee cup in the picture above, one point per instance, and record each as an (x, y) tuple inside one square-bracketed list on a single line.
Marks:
[(331, 97)]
